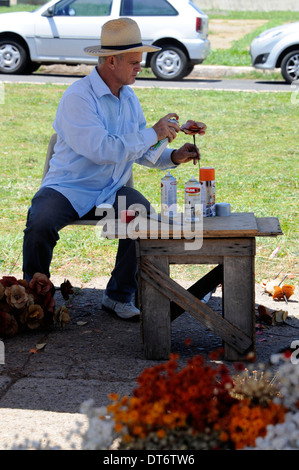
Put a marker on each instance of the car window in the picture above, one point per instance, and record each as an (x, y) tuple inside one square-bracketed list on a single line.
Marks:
[(83, 8), (143, 8)]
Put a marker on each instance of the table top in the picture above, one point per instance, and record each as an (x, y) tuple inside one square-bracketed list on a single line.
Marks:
[(237, 225)]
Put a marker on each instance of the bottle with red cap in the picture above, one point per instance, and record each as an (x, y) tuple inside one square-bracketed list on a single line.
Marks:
[(207, 181)]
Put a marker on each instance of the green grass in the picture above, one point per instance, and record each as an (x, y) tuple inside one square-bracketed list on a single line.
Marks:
[(252, 140), (20, 7)]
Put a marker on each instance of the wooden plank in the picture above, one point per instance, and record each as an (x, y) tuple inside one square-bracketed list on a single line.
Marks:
[(238, 291), (268, 227), (235, 225), (196, 259), (211, 247), (201, 288), (155, 318), (85, 222), (212, 226), (169, 288)]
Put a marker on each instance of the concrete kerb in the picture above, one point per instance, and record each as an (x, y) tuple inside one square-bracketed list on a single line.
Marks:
[(217, 71), (221, 71), (199, 71)]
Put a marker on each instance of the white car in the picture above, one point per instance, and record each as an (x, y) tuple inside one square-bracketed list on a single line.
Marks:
[(58, 31), (278, 48)]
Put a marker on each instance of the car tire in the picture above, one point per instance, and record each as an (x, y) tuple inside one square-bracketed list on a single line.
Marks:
[(13, 57), (189, 69), (170, 63), (290, 66)]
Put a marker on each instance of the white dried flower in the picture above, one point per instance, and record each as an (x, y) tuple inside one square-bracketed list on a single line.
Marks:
[(283, 436), (99, 434)]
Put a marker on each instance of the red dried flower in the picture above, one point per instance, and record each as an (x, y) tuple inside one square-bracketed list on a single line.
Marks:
[(2, 289), (8, 281), (40, 284), (216, 355), (66, 289), (8, 324), (239, 366)]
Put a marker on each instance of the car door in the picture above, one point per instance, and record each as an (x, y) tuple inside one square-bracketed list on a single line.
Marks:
[(70, 25)]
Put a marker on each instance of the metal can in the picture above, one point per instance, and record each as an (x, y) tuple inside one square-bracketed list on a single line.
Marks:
[(169, 196), (154, 152), (207, 181), (192, 200)]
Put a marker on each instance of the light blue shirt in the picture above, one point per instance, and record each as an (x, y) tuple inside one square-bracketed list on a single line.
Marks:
[(99, 139)]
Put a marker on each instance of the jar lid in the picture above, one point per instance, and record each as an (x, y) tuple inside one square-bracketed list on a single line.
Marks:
[(207, 174)]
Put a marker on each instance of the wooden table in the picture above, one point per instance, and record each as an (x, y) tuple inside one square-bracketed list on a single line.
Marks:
[(228, 242)]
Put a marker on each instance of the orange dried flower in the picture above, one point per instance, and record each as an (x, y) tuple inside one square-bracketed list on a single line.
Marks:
[(197, 397), (168, 398), (244, 423), (113, 396), (286, 290), (161, 433), (118, 427)]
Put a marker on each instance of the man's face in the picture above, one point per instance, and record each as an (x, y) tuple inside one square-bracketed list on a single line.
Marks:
[(127, 67)]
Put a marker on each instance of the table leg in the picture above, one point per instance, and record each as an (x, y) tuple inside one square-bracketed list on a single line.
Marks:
[(239, 299), (155, 317)]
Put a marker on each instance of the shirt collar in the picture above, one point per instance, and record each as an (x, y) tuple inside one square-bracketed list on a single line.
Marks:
[(100, 88)]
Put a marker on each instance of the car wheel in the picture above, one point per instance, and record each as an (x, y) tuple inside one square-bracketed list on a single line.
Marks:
[(290, 66), (170, 63), (13, 57), (189, 69)]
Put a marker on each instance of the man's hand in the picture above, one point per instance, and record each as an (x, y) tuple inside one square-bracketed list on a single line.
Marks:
[(164, 128), (185, 154)]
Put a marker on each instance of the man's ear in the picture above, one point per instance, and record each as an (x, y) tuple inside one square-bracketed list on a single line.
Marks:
[(111, 61)]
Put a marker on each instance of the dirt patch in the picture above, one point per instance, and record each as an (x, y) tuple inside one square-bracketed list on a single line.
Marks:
[(63, 69), (223, 32)]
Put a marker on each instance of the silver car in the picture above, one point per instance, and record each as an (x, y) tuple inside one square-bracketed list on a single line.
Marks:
[(59, 30), (278, 48)]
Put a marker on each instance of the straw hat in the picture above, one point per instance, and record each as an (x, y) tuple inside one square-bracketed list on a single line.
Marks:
[(120, 36)]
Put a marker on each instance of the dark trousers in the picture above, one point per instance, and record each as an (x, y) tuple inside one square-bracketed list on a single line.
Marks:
[(50, 211)]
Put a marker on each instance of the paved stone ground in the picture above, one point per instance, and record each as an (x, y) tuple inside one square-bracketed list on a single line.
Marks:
[(97, 354)]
